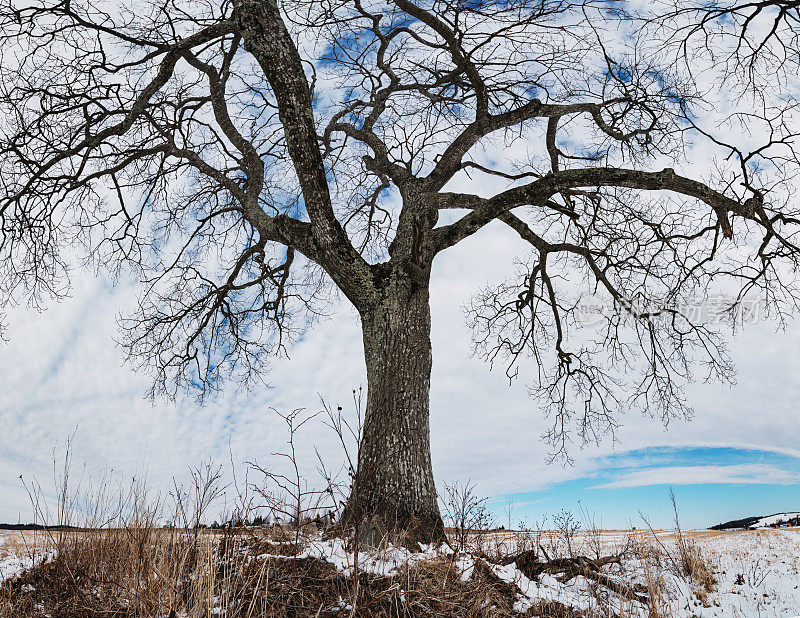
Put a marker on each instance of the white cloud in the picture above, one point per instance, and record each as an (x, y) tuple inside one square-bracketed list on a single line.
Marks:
[(747, 474), (61, 370)]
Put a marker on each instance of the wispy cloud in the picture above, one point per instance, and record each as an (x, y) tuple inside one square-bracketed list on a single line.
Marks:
[(747, 474)]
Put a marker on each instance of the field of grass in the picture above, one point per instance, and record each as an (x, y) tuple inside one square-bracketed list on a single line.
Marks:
[(249, 572)]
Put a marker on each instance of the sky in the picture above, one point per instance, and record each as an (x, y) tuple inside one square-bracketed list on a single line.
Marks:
[(64, 376)]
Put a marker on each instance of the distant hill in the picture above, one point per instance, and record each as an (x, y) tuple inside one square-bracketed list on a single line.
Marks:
[(762, 521)]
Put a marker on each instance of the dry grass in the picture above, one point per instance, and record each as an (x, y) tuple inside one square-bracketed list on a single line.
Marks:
[(148, 571), (12, 544), (160, 573)]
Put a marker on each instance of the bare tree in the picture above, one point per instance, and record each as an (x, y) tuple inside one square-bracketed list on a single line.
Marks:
[(242, 156)]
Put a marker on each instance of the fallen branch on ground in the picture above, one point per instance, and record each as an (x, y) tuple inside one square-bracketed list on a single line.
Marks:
[(566, 569)]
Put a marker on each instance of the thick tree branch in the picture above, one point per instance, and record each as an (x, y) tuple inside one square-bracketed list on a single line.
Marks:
[(540, 191), (266, 37)]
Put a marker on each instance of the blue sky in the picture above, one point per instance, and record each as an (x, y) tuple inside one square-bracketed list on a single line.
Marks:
[(711, 485)]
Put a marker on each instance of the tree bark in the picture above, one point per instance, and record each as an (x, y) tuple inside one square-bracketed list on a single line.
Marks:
[(394, 489)]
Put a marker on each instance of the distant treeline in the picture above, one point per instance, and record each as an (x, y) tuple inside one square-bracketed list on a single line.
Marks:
[(737, 523), (34, 527)]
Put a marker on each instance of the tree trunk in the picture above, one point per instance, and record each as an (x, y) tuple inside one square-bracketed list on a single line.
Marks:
[(394, 490)]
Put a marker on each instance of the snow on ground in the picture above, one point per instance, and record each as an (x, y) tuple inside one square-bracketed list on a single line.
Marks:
[(335, 552), (378, 563), (18, 553), (11, 566), (757, 572)]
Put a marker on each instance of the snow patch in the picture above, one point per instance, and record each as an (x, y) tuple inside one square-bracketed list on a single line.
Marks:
[(774, 520)]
